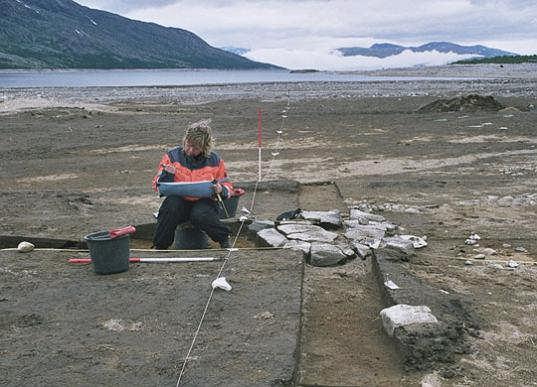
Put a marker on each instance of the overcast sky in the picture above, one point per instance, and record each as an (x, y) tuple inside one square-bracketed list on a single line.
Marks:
[(304, 33)]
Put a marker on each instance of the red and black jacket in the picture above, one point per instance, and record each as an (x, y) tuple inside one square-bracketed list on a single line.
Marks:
[(193, 169)]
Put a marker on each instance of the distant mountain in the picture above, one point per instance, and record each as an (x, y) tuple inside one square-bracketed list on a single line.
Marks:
[(64, 34), (383, 50), (235, 50)]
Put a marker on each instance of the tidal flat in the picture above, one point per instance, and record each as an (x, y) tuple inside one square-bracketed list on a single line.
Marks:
[(77, 160)]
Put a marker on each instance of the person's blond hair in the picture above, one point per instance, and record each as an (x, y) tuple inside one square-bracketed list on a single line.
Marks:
[(199, 134)]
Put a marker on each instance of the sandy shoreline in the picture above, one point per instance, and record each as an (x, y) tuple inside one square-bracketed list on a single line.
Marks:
[(509, 81)]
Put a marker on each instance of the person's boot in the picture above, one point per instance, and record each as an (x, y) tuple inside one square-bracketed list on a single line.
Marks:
[(225, 244)]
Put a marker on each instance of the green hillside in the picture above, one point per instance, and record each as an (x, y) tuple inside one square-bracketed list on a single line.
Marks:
[(64, 34)]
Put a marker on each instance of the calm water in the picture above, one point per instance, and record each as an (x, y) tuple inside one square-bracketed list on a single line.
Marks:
[(174, 77)]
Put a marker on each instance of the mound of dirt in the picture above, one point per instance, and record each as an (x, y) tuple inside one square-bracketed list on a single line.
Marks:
[(469, 103)]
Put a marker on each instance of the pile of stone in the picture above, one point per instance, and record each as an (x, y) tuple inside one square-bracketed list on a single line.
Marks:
[(469, 103), (326, 239)]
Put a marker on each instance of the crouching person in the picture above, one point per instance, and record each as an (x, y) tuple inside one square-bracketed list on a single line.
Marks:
[(192, 162)]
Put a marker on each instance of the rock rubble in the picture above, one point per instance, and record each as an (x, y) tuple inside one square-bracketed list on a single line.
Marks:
[(348, 238)]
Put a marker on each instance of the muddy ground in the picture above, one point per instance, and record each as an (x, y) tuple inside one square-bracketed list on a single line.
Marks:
[(68, 171)]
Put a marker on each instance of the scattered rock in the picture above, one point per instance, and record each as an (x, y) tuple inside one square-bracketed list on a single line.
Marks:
[(391, 285), (506, 201), (486, 251), (25, 247), (118, 325), (520, 249), (512, 264), (417, 242), (432, 380), (479, 256), (509, 109), (264, 316)]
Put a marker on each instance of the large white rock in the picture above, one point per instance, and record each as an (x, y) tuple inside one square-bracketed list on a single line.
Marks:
[(272, 237), (325, 254), (403, 315), (332, 217)]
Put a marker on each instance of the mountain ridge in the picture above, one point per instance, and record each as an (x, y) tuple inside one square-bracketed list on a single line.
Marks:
[(384, 50), (64, 34)]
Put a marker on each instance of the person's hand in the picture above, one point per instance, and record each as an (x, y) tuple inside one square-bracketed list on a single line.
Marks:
[(217, 187), (169, 168)]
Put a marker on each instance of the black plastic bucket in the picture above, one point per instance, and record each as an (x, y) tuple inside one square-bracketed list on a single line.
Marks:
[(109, 255), (231, 205), (188, 237)]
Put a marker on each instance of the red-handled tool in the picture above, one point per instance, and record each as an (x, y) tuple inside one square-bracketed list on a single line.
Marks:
[(116, 232), (238, 192)]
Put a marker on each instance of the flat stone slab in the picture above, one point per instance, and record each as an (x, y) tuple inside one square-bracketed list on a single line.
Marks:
[(356, 214), (307, 233), (361, 250), (69, 326), (330, 218), (298, 245), (271, 237), (260, 224), (325, 254), (363, 232), (314, 236)]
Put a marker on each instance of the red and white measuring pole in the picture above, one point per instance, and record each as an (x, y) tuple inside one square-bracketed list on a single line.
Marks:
[(154, 260), (259, 143)]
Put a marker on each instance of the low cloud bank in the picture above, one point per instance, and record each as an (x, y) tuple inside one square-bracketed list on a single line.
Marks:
[(333, 60)]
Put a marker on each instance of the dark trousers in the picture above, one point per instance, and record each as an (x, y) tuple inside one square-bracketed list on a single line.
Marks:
[(175, 210)]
